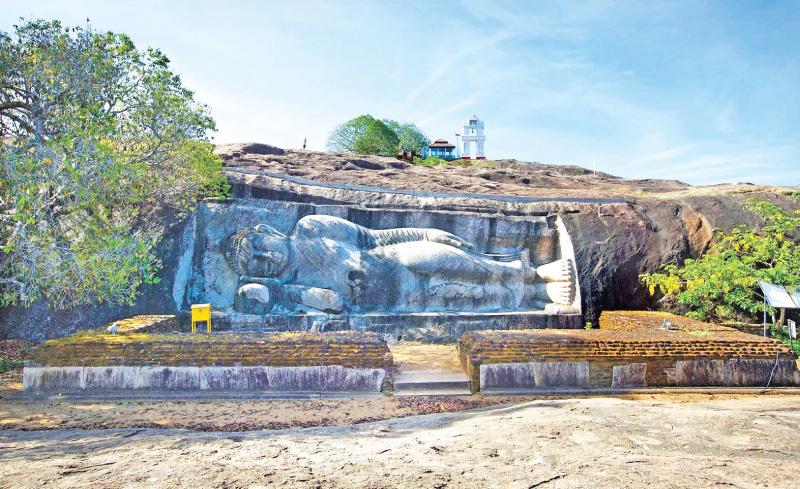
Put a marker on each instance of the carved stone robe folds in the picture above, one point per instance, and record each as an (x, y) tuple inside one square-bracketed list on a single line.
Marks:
[(400, 270)]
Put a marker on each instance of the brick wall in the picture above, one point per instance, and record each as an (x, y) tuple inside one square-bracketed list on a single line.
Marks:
[(624, 337), (347, 349)]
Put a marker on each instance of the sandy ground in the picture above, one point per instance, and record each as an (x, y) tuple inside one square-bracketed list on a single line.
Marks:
[(11, 381), (654, 440), (223, 415), (598, 442)]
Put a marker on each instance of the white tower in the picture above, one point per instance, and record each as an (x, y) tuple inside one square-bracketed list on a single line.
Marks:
[(473, 139)]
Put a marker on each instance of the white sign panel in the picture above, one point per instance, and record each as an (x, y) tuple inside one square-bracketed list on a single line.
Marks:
[(792, 329), (777, 296), (794, 294)]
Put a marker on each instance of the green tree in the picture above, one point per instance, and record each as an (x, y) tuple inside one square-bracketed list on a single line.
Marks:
[(410, 137), (101, 147), (722, 284), (364, 135)]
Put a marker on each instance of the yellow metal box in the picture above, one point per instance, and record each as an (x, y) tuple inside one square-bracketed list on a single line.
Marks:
[(201, 313)]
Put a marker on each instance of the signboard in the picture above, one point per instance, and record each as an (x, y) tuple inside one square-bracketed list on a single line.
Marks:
[(792, 329), (794, 294), (777, 296)]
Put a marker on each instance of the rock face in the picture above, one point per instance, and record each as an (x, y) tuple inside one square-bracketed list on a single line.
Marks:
[(619, 228), (40, 322), (616, 243), (272, 265)]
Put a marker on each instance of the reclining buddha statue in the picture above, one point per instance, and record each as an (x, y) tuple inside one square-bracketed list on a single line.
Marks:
[(328, 264)]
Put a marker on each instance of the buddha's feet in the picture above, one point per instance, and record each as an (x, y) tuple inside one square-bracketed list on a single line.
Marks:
[(561, 309), (556, 271), (555, 292)]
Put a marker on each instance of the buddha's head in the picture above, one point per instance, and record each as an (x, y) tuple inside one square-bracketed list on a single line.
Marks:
[(259, 251)]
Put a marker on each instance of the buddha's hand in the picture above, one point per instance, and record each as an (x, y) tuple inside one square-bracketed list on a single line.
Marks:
[(443, 237)]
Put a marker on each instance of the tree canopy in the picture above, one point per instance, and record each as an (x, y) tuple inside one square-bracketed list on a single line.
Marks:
[(722, 284), (367, 135), (410, 137), (100, 146), (364, 135)]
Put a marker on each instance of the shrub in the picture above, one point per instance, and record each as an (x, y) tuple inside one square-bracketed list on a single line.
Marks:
[(7, 364), (723, 283), (430, 161)]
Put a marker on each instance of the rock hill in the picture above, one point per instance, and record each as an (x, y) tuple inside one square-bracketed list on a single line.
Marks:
[(620, 227), (496, 177)]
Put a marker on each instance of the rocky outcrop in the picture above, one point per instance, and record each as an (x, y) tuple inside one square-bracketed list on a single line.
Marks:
[(615, 244), (619, 227)]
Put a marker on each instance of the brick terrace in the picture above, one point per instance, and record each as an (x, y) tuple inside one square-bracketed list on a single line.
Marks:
[(97, 348), (624, 337)]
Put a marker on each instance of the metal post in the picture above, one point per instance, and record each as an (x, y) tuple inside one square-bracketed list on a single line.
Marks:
[(765, 314)]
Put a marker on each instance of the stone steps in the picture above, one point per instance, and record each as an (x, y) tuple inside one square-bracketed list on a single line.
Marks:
[(431, 383)]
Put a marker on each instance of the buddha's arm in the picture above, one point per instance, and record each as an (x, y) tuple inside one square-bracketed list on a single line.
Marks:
[(386, 237), (315, 227), (325, 300), (246, 279), (314, 297)]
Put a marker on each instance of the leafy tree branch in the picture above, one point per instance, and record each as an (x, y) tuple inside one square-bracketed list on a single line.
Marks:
[(100, 147)]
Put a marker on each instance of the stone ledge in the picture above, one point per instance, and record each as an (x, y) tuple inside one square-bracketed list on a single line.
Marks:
[(262, 184), (733, 372), (330, 378), (424, 326)]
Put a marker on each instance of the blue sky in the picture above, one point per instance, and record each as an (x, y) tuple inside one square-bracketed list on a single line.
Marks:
[(703, 92)]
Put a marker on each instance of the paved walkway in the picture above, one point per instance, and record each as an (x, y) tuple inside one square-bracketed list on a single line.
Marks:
[(423, 369), (409, 355)]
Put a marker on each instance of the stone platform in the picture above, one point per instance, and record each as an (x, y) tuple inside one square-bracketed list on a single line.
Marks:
[(629, 350), (424, 326), (97, 361), (430, 383)]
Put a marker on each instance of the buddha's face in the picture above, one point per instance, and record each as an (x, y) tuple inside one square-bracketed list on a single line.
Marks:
[(267, 256)]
